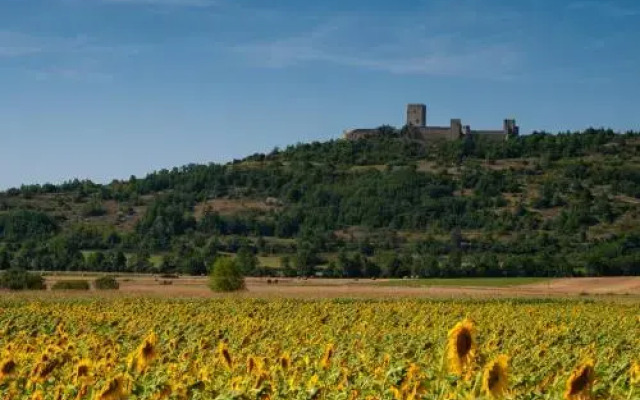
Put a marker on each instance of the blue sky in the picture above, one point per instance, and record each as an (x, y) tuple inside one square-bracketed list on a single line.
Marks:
[(103, 89)]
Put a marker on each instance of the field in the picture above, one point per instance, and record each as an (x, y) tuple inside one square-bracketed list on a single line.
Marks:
[(465, 282), (190, 287), (150, 348)]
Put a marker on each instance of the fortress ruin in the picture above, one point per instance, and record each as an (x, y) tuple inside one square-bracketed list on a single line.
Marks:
[(418, 129)]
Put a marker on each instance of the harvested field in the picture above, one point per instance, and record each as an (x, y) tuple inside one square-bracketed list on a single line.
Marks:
[(623, 287)]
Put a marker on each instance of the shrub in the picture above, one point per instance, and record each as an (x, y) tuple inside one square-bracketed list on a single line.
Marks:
[(71, 285), (106, 283), (19, 279), (94, 209), (226, 276)]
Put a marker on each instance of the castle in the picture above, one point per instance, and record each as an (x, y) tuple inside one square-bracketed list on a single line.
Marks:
[(417, 129)]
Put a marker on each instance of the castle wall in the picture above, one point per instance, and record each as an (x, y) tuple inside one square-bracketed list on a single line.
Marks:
[(435, 133), (419, 130), (490, 134)]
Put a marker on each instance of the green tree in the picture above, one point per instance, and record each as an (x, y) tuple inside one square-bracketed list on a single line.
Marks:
[(306, 261), (140, 262), (19, 279), (95, 261), (169, 264), (287, 268), (389, 263), (5, 258), (226, 276), (210, 250), (426, 266), (370, 269), (247, 261)]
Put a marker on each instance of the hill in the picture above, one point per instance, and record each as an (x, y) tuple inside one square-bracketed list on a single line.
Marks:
[(537, 205)]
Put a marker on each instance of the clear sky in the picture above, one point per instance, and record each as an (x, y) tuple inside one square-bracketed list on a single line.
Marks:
[(103, 89)]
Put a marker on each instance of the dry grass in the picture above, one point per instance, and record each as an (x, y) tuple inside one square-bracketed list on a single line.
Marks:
[(231, 206), (186, 287)]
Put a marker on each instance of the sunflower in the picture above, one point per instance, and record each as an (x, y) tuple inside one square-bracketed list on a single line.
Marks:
[(115, 389), (7, 368), (461, 346), (495, 377), (145, 353), (82, 392), (37, 395), (147, 349), (580, 382), (285, 361), (252, 365), (634, 372), (164, 392), (326, 357), (83, 369), (42, 369), (396, 392), (225, 356)]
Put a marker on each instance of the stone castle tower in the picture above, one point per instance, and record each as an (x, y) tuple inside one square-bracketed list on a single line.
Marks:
[(419, 130), (417, 115)]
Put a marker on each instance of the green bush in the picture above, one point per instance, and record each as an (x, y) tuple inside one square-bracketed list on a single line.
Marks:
[(226, 276), (19, 279), (71, 285), (106, 283)]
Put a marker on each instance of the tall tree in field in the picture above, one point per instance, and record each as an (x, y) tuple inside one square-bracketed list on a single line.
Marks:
[(226, 276)]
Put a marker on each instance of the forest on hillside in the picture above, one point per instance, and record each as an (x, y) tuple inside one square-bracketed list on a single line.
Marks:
[(543, 204)]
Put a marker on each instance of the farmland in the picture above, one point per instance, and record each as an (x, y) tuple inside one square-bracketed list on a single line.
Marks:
[(627, 288), (150, 348)]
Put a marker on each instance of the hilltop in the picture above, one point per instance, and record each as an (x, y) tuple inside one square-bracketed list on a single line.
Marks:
[(536, 205)]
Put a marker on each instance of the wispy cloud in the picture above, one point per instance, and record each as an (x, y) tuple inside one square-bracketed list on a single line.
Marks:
[(18, 44), (399, 47), (603, 7), (78, 74), (172, 3), (77, 58)]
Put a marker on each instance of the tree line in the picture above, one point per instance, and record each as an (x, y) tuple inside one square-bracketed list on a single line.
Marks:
[(376, 185)]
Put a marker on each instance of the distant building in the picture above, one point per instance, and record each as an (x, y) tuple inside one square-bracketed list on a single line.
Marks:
[(418, 129)]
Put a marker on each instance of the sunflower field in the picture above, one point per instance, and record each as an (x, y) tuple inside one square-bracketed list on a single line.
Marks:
[(137, 348)]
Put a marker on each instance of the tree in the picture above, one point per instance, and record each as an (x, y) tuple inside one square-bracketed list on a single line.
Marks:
[(5, 258), (193, 265), (19, 279), (95, 261), (350, 267), (287, 268), (140, 262), (114, 261), (425, 266), (306, 261), (247, 261), (370, 269), (226, 276), (210, 250), (169, 264), (389, 263)]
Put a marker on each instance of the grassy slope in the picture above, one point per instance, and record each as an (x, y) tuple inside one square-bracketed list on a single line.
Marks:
[(70, 212)]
